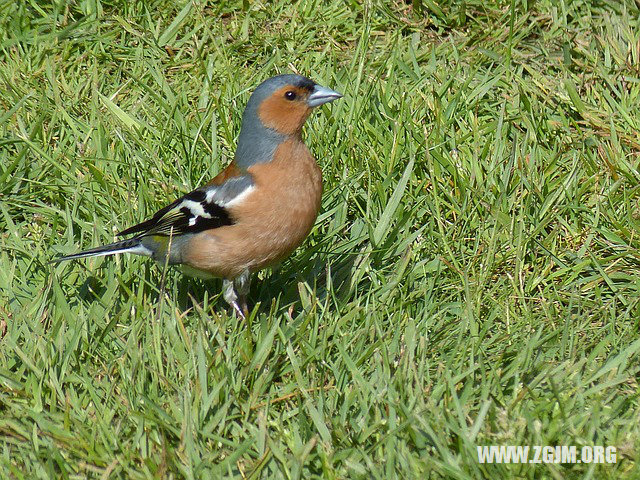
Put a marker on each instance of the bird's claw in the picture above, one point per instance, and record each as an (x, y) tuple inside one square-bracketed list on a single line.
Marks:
[(241, 311)]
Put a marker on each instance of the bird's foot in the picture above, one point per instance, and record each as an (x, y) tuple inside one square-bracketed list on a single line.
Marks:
[(235, 293)]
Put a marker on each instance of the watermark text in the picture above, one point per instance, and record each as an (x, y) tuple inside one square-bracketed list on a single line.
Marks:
[(546, 454)]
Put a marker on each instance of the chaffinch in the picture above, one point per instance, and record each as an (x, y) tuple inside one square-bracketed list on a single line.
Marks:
[(255, 212)]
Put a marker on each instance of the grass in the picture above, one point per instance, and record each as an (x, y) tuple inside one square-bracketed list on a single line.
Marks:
[(473, 278)]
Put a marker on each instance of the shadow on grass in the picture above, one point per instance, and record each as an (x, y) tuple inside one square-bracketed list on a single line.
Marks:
[(282, 283), (279, 284)]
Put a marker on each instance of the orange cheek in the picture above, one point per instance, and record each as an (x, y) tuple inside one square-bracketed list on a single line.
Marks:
[(283, 115)]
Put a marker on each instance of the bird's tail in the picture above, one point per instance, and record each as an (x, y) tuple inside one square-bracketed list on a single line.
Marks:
[(131, 245)]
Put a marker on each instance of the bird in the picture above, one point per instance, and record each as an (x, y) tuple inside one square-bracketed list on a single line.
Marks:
[(256, 211)]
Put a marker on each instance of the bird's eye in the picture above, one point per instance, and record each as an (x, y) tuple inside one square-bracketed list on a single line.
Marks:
[(290, 95)]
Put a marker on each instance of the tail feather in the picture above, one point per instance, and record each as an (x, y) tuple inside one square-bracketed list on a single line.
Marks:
[(131, 245)]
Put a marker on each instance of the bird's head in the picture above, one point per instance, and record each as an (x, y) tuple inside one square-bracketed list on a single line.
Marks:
[(277, 110), (283, 103)]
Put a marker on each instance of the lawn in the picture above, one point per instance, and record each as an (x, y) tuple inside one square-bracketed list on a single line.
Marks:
[(473, 277)]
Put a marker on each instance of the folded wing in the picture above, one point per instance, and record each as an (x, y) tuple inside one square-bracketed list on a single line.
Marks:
[(202, 209)]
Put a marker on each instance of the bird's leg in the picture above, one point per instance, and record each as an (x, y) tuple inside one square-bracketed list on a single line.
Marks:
[(242, 285), (231, 297)]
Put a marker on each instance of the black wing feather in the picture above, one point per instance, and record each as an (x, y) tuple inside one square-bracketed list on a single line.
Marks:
[(176, 220)]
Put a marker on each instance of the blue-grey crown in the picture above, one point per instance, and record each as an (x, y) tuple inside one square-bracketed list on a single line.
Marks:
[(270, 85)]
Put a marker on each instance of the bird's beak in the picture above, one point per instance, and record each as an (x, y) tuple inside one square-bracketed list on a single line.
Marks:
[(322, 95)]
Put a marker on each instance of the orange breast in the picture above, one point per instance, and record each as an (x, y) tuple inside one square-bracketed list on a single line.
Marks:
[(271, 222)]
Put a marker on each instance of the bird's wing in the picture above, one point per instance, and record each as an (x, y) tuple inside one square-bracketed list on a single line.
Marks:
[(202, 209)]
